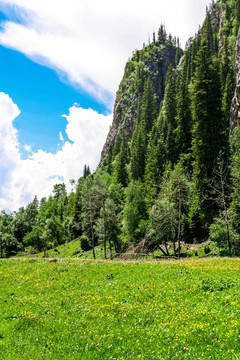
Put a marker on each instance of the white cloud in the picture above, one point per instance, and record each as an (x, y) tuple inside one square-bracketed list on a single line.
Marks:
[(22, 179), (90, 40), (61, 136), (27, 148)]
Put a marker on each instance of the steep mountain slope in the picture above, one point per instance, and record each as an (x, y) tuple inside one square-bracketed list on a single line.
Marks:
[(151, 62)]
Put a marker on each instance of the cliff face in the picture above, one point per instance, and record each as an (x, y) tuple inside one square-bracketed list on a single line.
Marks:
[(152, 62), (235, 107)]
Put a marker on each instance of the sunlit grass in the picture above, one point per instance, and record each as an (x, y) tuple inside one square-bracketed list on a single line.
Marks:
[(76, 309)]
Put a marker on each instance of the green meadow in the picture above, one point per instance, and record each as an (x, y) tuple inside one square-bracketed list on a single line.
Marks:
[(81, 309)]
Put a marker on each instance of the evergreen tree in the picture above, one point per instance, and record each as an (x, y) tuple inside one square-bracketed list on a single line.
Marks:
[(90, 210), (154, 37), (207, 29), (162, 35), (59, 190), (149, 107), (121, 163), (169, 115), (178, 53), (193, 57), (228, 96), (107, 163), (86, 171), (209, 133), (238, 11), (117, 144), (225, 63), (155, 160), (183, 131), (235, 172), (135, 212), (138, 152)]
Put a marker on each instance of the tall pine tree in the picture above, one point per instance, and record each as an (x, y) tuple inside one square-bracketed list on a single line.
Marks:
[(209, 133), (121, 162), (183, 131), (169, 123)]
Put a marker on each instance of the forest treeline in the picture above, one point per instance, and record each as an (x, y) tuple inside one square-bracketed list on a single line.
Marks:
[(176, 178)]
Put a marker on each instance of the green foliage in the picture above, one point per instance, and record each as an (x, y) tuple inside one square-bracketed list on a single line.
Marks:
[(138, 152), (121, 163), (84, 243), (235, 173), (156, 159), (169, 123), (135, 212), (162, 35), (219, 233), (171, 208), (209, 132), (86, 171), (183, 131), (148, 108), (35, 238)]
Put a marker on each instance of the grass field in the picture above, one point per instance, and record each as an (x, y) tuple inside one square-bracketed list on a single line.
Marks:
[(81, 309)]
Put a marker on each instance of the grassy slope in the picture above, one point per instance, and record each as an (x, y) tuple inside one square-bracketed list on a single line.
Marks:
[(80, 309), (73, 250), (70, 250)]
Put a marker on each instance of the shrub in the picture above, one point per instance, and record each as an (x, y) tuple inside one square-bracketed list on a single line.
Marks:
[(84, 243), (218, 233), (207, 250), (30, 250)]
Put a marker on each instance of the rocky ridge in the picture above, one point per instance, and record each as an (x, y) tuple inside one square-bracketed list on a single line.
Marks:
[(154, 65)]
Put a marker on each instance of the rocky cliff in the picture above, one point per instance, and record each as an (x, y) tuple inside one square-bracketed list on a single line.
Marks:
[(235, 107), (151, 62)]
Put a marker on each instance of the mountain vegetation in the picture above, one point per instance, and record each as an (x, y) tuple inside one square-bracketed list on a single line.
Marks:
[(170, 167)]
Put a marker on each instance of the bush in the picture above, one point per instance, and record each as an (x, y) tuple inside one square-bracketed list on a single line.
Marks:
[(84, 243), (30, 250), (218, 233), (207, 250)]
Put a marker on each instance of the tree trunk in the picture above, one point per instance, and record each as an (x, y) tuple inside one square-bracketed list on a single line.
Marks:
[(110, 247), (104, 225), (174, 248), (179, 224), (93, 250), (228, 237), (165, 243), (161, 249)]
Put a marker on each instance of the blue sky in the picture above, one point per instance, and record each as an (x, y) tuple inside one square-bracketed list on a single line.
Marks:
[(60, 66), (42, 97)]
